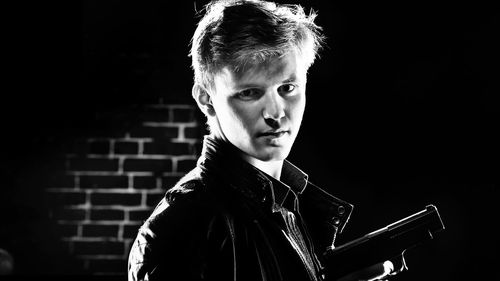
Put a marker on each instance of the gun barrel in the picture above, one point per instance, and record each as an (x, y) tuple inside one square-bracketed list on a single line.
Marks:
[(428, 218)]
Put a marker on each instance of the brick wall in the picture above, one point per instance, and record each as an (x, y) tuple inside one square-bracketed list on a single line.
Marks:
[(111, 182)]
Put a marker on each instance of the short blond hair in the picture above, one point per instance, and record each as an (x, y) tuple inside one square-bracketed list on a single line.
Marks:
[(241, 33)]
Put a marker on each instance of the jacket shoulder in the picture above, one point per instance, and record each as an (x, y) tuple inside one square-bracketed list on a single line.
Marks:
[(187, 202), (172, 240), (188, 188)]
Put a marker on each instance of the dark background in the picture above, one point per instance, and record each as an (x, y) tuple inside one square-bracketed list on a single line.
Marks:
[(402, 106)]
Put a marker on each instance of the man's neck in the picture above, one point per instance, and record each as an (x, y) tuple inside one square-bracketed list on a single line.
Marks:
[(272, 168)]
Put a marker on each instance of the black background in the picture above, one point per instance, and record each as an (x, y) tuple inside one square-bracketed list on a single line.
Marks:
[(402, 106)]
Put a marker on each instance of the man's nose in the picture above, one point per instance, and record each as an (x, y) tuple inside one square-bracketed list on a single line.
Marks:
[(274, 108)]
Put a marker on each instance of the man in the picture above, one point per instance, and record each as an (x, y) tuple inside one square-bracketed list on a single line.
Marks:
[(245, 212)]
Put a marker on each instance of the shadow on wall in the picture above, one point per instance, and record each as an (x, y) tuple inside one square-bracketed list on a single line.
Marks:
[(31, 243), (6, 262), (75, 207)]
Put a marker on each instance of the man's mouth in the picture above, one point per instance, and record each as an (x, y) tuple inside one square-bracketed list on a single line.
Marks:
[(274, 134)]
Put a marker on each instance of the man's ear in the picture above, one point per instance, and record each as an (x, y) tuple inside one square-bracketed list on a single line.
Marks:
[(203, 99)]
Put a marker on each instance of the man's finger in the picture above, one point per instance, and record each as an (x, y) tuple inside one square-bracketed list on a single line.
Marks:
[(374, 272)]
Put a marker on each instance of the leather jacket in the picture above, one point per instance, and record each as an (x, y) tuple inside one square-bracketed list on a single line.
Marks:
[(224, 220)]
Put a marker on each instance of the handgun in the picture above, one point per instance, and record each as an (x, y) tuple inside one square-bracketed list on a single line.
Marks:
[(385, 244)]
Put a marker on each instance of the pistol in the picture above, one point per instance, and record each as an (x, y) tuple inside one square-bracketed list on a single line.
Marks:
[(386, 244)]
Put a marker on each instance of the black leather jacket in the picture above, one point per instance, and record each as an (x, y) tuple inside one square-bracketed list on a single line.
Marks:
[(222, 222)]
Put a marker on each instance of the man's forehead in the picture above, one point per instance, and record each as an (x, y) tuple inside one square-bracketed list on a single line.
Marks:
[(288, 66)]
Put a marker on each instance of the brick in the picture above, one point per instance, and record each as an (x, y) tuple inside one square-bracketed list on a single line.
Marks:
[(103, 181), (54, 165), (66, 198), (153, 199), (107, 266), (126, 147), (155, 132), (169, 181), (98, 230), (144, 182), (107, 125), (98, 248), (79, 147), (167, 148), (150, 165), (131, 230), (69, 214), (112, 131), (186, 165), (107, 215), (61, 180), (195, 132), (139, 215), (66, 230), (126, 199), (183, 114), (154, 114), (196, 148), (99, 147), (90, 164)]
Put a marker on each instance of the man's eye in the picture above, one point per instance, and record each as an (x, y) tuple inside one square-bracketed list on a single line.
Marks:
[(248, 94), (285, 89)]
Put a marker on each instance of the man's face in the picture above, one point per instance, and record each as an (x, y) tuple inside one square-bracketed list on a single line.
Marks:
[(260, 110)]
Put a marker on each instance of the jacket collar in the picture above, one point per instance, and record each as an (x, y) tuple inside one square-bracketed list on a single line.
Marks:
[(224, 158)]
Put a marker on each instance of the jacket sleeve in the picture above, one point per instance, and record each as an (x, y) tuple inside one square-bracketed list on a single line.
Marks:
[(177, 242), (140, 263), (160, 249)]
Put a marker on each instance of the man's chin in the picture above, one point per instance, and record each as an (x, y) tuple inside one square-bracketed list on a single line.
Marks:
[(274, 154)]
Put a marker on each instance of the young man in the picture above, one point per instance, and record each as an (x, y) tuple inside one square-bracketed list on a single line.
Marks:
[(245, 212)]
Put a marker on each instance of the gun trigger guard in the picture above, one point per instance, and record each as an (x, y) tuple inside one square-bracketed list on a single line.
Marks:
[(399, 264)]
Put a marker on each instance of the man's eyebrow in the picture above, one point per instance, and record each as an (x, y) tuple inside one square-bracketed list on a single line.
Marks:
[(245, 86), (291, 79)]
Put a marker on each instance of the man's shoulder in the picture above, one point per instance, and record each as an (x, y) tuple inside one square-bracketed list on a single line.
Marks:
[(188, 190), (187, 203), (176, 232)]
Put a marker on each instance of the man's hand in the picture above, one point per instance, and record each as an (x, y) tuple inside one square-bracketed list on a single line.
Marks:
[(378, 271)]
